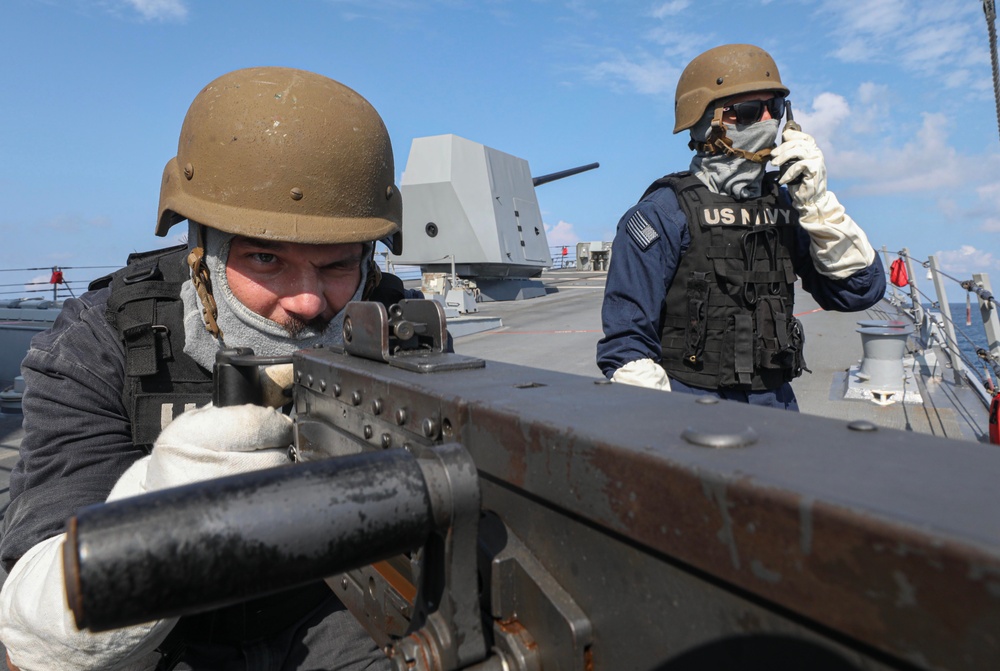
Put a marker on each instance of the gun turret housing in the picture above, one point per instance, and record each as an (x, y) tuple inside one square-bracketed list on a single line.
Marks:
[(472, 210)]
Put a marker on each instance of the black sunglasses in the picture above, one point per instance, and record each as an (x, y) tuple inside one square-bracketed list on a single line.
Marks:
[(751, 111)]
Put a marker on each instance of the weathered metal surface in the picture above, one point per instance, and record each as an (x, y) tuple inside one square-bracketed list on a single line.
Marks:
[(880, 536)]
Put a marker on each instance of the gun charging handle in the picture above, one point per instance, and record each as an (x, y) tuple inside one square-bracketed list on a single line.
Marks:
[(240, 377)]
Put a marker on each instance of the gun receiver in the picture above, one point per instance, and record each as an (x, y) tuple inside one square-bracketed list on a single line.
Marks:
[(530, 520)]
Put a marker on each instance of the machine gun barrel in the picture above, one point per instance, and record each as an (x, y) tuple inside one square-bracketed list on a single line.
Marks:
[(199, 547), (553, 176)]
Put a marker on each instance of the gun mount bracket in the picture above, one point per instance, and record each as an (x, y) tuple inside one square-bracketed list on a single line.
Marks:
[(411, 335)]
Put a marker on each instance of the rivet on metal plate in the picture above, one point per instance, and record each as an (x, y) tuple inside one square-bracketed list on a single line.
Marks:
[(720, 440), (862, 425)]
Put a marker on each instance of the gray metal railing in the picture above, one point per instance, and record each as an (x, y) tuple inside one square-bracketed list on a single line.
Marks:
[(930, 327)]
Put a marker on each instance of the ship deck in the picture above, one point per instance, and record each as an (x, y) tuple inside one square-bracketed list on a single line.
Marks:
[(559, 331)]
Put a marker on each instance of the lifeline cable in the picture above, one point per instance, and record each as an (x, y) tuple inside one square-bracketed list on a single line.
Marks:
[(980, 353)]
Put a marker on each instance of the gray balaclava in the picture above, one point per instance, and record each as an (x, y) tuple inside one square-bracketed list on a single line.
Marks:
[(240, 326), (733, 175)]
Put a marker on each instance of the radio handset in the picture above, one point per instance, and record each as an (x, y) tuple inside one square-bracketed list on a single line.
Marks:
[(790, 124)]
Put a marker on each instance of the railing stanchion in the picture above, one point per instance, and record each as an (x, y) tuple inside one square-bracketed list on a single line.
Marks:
[(918, 309), (951, 340), (991, 323)]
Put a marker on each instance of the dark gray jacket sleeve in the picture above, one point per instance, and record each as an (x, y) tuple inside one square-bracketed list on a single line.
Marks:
[(77, 434)]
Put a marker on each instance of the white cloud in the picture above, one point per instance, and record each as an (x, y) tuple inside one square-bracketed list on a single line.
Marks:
[(967, 260), (829, 111), (645, 75), (676, 46), (160, 10), (672, 8), (864, 146), (991, 225), (869, 17), (871, 115), (989, 197), (925, 162), (561, 234), (923, 36)]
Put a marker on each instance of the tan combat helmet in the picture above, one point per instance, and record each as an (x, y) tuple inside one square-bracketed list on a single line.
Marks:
[(719, 73), (282, 154)]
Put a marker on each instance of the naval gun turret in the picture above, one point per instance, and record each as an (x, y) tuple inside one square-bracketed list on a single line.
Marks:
[(471, 216)]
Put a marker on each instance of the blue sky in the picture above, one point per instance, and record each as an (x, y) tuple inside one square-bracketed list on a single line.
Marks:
[(897, 92)]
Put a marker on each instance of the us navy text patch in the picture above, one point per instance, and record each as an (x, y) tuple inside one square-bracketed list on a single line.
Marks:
[(641, 232)]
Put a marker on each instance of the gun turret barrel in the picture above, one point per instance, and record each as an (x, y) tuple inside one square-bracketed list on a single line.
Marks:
[(207, 545), (553, 176)]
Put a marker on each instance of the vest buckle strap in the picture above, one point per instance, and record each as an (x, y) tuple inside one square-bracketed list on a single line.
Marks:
[(142, 273), (743, 348)]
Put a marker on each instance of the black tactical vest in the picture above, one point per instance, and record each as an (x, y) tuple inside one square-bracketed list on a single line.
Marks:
[(161, 382), (145, 307), (728, 320)]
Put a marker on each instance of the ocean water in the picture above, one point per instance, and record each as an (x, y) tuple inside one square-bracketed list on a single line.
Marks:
[(971, 336)]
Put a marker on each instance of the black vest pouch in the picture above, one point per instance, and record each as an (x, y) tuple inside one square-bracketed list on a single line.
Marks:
[(146, 309), (795, 352), (782, 349), (697, 318), (772, 332)]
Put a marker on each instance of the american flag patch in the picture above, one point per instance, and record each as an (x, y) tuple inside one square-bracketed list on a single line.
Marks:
[(641, 232)]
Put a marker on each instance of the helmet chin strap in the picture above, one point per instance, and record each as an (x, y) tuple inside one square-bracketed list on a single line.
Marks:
[(718, 143), (201, 278)]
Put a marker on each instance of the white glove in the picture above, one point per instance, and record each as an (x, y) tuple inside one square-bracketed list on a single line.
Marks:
[(209, 442), (807, 163), (202, 444), (838, 246), (643, 373), (38, 628)]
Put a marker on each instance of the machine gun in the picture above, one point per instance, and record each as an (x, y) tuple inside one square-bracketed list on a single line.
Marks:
[(478, 515)]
